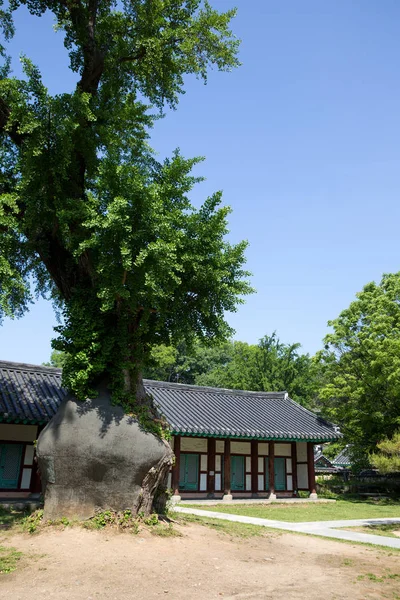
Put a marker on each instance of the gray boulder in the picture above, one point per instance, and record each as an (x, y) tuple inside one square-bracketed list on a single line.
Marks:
[(93, 456)]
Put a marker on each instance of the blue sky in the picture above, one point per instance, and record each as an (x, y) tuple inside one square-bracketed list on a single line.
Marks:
[(303, 139)]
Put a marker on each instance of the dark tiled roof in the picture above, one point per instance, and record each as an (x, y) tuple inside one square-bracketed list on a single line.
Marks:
[(202, 411), (32, 394), (343, 458), (327, 470), (29, 393), (322, 461)]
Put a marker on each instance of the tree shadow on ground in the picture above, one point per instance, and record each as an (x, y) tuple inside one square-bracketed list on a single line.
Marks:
[(370, 500)]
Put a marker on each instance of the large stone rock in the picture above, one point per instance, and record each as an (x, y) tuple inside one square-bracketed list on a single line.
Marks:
[(91, 455)]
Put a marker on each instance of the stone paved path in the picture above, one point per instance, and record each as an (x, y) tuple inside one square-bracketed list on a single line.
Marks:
[(330, 529)]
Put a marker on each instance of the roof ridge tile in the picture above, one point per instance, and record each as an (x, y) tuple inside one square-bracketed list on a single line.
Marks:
[(17, 366)]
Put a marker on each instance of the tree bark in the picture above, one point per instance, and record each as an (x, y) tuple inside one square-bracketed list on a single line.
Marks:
[(154, 495)]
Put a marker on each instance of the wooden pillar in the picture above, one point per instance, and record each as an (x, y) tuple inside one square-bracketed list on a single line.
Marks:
[(211, 467), (36, 481), (294, 467), (175, 468), (271, 465), (227, 468), (254, 467), (311, 470)]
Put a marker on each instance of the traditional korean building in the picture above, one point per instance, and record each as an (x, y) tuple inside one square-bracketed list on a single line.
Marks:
[(227, 443), (322, 464), (29, 397), (343, 460)]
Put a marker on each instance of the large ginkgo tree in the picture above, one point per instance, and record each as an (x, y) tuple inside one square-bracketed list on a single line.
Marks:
[(88, 217)]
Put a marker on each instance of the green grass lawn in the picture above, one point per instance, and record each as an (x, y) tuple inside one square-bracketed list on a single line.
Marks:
[(297, 513), (242, 530), (385, 530), (9, 558)]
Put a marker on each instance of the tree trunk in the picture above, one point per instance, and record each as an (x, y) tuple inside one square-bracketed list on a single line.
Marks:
[(136, 387), (94, 456)]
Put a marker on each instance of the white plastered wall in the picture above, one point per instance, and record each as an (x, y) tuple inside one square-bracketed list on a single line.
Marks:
[(301, 448), (263, 448), (302, 476), (192, 444), (219, 446), (283, 449), (240, 448)]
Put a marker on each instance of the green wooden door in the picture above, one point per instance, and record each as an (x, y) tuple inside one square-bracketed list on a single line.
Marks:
[(280, 474), (267, 473), (10, 465), (237, 473), (189, 472)]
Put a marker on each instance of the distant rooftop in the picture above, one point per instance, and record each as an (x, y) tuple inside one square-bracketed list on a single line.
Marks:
[(343, 458), (29, 393)]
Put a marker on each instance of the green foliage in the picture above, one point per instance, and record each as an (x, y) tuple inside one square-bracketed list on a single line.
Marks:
[(360, 368), (57, 359), (268, 366), (332, 449), (151, 520), (185, 363), (89, 215), (147, 418), (101, 519), (126, 521), (31, 522), (387, 460), (331, 487)]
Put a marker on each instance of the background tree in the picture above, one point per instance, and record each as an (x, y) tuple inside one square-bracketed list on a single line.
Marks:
[(57, 359), (90, 216), (270, 365), (387, 459), (360, 367), (186, 364)]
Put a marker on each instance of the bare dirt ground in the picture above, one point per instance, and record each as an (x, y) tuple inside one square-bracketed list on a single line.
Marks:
[(77, 564)]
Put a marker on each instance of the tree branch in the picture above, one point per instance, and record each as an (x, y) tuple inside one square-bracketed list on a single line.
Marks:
[(138, 56), (61, 265), (12, 132), (93, 57)]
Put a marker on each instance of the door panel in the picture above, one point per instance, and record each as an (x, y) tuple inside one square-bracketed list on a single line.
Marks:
[(192, 471), (280, 474), (267, 473), (189, 472), (182, 470), (237, 473), (10, 465)]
